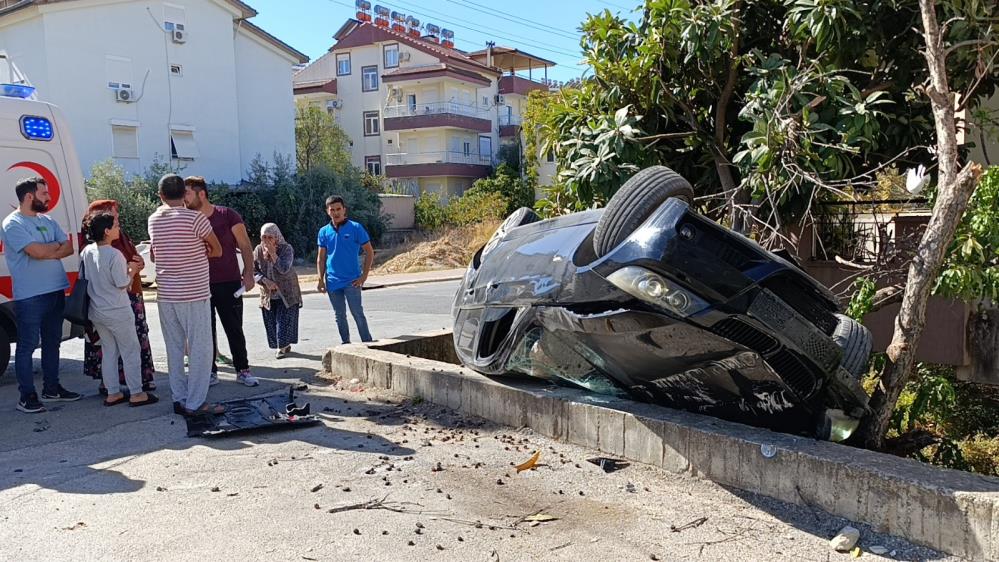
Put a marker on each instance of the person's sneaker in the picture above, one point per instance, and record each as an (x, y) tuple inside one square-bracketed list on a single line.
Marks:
[(246, 378), (30, 405), (60, 395), (214, 379)]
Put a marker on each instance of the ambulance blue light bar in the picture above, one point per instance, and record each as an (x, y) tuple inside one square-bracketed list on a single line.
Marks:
[(36, 128), (16, 91)]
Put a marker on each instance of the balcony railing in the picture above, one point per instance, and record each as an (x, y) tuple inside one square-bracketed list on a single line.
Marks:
[(436, 108), (507, 119), (438, 157)]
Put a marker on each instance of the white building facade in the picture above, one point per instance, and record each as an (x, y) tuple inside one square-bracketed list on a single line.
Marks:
[(426, 116), (192, 83)]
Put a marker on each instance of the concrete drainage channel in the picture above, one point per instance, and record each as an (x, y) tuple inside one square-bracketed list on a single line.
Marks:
[(951, 511)]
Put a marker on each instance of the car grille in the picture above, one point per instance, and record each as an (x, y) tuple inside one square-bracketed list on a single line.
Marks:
[(803, 300), (726, 248), (744, 334), (793, 372)]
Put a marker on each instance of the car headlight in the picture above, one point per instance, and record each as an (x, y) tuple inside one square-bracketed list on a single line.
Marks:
[(656, 289)]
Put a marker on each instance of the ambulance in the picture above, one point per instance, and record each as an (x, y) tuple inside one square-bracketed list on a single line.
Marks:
[(35, 141)]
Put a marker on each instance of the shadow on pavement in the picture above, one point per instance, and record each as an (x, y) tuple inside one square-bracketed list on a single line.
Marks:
[(76, 447)]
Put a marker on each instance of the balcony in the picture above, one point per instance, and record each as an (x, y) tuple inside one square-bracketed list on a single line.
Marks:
[(509, 124), (517, 85), (438, 163), (437, 114)]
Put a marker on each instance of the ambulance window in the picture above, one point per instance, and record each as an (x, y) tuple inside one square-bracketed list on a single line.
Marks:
[(124, 142), (182, 145)]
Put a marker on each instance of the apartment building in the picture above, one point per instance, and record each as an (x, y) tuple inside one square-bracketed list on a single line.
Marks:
[(423, 114), (192, 83)]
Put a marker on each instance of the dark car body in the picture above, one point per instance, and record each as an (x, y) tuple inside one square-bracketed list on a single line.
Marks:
[(754, 343)]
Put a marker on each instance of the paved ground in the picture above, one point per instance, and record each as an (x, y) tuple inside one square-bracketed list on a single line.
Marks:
[(89, 483)]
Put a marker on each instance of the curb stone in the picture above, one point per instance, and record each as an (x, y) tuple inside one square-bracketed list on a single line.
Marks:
[(951, 511)]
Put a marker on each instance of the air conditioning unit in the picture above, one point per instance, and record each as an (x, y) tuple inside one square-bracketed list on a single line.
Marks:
[(124, 95), (179, 34), (499, 100), (404, 56), (334, 104), (397, 94)]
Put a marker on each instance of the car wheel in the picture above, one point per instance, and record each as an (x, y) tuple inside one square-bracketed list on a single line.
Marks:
[(856, 341), (642, 194), (4, 351)]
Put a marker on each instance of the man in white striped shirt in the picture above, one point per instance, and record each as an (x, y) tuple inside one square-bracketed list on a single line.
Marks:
[(180, 237)]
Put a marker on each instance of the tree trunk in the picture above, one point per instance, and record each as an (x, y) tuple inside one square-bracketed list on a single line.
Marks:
[(954, 190)]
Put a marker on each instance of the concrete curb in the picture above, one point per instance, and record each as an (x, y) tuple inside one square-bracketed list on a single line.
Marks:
[(951, 511), (372, 284)]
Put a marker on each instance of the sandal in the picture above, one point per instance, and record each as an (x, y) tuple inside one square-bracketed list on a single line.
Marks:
[(210, 409), (150, 399), (147, 386), (123, 399)]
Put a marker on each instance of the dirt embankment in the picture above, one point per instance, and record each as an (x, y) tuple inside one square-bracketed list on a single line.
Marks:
[(447, 249)]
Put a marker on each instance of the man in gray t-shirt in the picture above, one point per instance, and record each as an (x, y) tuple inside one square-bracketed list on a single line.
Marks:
[(34, 246)]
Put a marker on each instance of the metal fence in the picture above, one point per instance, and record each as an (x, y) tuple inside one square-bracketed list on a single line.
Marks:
[(869, 232)]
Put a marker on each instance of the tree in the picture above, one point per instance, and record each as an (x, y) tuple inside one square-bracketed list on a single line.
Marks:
[(766, 106), (136, 200), (955, 187), (319, 141)]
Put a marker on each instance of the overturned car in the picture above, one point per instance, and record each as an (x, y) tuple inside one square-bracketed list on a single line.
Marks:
[(649, 300)]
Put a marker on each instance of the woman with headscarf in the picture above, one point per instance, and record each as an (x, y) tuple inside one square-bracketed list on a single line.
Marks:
[(280, 295), (92, 356)]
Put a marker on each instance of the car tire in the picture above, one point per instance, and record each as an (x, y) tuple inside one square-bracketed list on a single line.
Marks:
[(634, 202), (856, 341), (520, 217), (4, 351)]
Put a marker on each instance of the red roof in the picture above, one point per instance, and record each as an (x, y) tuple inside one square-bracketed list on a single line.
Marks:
[(356, 33)]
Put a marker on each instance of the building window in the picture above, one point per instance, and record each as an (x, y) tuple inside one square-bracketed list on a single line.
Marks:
[(550, 157), (182, 145), (466, 148), (485, 148), (176, 70), (485, 100), (371, 126), (390, 55), (369, 78), (343, 64), (124, 141), (411, 102), (373, 164)]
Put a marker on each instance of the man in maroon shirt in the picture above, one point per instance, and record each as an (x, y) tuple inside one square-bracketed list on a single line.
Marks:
[(225, 276)]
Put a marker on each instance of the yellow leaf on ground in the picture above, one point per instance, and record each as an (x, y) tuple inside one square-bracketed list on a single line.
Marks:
[(529, 463)]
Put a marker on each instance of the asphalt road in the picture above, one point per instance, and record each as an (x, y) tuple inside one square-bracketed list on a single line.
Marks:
[(380, 478)]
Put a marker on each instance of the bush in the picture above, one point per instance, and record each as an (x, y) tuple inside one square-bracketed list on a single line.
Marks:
[(476, 207), (471, 208), (517, 191), (430, 213), (273, 193), (107, 181)]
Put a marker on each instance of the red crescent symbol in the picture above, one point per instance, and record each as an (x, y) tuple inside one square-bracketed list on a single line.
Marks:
[(45, 174)]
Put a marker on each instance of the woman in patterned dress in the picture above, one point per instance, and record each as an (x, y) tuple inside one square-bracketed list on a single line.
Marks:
[(280, 295), (91, 347)]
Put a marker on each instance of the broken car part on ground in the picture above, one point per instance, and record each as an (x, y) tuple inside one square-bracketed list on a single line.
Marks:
[(253, 414), (649, 300)]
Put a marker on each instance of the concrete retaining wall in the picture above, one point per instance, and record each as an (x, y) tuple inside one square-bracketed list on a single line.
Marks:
[(951, 511)]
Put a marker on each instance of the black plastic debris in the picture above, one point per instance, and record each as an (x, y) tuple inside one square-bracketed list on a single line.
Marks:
[(269, 413), (609, 465)]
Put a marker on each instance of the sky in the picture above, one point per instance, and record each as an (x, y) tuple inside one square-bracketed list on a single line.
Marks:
[(544, 28)]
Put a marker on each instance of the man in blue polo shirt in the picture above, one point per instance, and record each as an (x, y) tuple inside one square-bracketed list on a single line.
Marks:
[(340, 274), (34, 246)]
